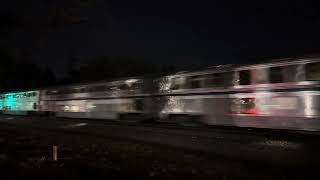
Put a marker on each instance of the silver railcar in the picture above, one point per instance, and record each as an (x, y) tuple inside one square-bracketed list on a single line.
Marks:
[(280, 95)]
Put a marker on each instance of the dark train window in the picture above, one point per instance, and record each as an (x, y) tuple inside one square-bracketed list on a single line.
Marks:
[(53, 92), (291, 73), (313, 71), (65, 91), (82, 90), (244, 77), (139, 104), (101, 88), (220, 79), (123, 87), (196, 81), (276, 74), (96, 88), (136, 85), (243, 106)]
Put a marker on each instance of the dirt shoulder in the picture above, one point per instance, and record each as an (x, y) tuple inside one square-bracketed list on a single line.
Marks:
[(27, 153)]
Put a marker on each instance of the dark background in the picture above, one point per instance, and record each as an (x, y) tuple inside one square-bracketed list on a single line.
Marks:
[(49, 42)]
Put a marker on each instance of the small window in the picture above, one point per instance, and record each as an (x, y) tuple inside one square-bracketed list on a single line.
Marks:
[(82, 90), (124, 87), (101, 88), (75, 90), (34, 94), (196, 81), (177, 83), (220, 79), (65, 91), (244, 77), (52, 92), (292, 73), (276, 75), (313, 71), (136, 85)]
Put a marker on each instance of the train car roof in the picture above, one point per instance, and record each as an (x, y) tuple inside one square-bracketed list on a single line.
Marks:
[(211, 69), (239, 67)]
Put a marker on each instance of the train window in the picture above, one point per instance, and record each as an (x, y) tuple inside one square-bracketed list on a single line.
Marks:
[(244, 77), (220, 79), (97, 88), (101, 88), (75, 90), (292, 73), (52, 92), (65, 91), (196, 81), (177, 83), (276, 74), (124, 87), (313, 71), (82, 90)]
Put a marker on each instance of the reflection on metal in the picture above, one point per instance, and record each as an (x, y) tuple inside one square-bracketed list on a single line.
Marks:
[(280, 143), (75, 125), (308, 105), (55, 153)]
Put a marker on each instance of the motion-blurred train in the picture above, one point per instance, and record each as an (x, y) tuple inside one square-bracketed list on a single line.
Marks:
[(279, 95)]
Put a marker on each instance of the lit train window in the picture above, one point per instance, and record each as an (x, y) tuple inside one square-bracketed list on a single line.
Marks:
[(276, 74), (313, 71), (177, 83), (244, 77)]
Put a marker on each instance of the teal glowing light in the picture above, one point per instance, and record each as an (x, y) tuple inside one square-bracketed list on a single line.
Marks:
[(10, 101), (20, 101)]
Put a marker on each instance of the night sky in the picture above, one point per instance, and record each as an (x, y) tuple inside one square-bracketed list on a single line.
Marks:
[(182, 33)]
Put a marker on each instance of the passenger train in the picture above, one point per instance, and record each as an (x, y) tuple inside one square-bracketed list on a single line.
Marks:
[(279, 95)]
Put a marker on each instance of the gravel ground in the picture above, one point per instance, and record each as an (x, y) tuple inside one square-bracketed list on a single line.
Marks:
[(26, 152)]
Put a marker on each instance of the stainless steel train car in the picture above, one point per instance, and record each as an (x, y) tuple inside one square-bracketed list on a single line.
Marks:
[(282, 95), (104, 100)]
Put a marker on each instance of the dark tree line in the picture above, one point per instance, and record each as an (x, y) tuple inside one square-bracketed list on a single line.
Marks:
[(105, 69), (21, 73)]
